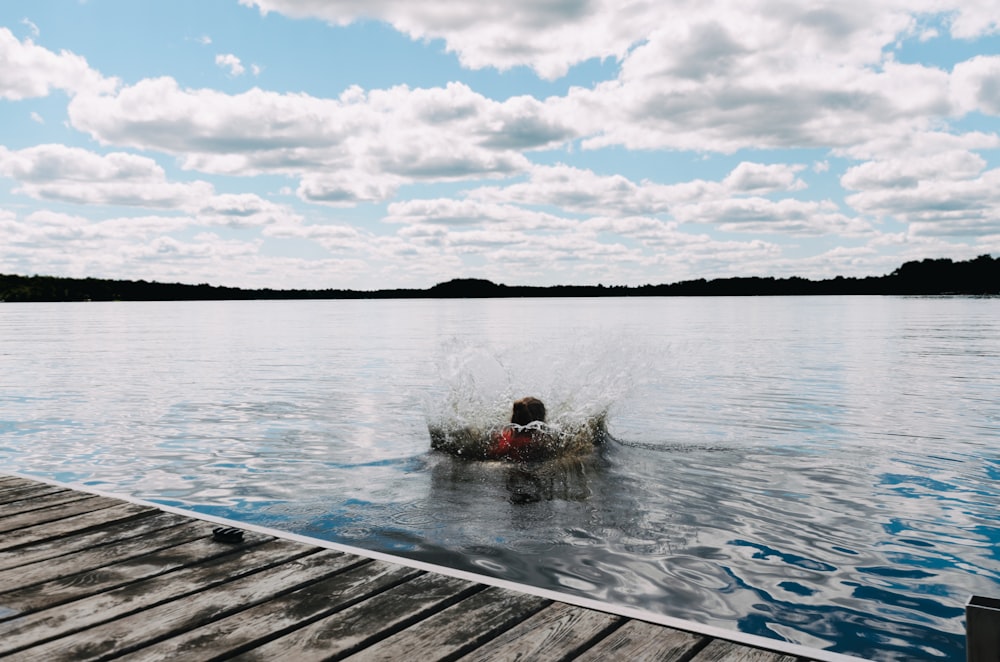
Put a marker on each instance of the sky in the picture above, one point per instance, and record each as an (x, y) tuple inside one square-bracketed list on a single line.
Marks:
[(390, 143)]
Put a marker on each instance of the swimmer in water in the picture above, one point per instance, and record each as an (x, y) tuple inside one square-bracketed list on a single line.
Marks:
[(517, 441)]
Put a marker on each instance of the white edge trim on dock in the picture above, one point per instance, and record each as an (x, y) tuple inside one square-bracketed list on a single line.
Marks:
[(694, 627)]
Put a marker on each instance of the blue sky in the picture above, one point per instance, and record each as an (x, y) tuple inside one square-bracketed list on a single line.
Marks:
[(376, 144)]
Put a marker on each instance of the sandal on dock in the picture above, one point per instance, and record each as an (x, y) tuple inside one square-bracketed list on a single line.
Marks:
[(227, 534)]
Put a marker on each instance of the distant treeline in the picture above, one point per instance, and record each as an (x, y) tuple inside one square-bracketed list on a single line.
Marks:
[(980, 276)]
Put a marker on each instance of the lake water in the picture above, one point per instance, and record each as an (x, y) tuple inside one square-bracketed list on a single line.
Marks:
[(819, 470)]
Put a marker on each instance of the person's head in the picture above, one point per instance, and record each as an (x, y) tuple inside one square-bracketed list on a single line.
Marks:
[(528, 410)]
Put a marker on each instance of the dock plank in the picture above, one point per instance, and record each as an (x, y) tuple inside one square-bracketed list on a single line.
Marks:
[(66, 588), (226, 636), (16, 483), (557, 632), (457, 629), (55, 513), (638, 640), (86, 561), (28, 504), (198, 608), (366, 622), (102, 607), (154, 521), (59, 528), (28, 491), (726, 651)]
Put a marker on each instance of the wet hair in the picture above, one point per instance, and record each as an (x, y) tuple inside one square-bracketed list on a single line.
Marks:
[(528, 410)]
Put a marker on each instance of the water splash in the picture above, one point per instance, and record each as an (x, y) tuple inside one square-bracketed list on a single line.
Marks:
[(581, 387)]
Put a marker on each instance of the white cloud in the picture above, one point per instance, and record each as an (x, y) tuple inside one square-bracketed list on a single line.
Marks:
[(457, 213), (524, 239), (51, 225), (148, 247), (841, 260), (715, 78), (36, 118), (735, 203), (346, 188), (974, 18), (583, 191), (47, 242), (241, 210), (976, 85), (74, 175), (918, 144), (547, 35), (230, 62), (205, 246), (909, 172), (552, 35), (343, 236), (767, 91), (360, 146), (70, 174), (526, 245), (764, 216), (759, 178), (28, 71), (31, 26), (948, 194)]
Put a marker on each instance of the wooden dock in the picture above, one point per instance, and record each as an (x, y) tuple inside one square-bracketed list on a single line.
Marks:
[(92, 577)]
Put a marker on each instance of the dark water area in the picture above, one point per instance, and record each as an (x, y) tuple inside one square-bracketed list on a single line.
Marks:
[(821, 470)]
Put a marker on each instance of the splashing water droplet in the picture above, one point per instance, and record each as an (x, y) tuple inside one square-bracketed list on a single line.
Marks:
[(579, 387)]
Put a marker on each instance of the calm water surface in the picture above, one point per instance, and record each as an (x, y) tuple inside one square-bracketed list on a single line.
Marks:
[(819, 470)]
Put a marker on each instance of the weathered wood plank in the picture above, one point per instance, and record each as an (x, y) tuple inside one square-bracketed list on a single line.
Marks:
[(198, 608), (100, 608), (458, 629), (73, 542), (38, 502), (726, 651), (366, 622), (69, 587), (17, 481), (85, 562), (228, 635), (638, 640), (555, 633), (21, 492), (59, 528), (54, 513)]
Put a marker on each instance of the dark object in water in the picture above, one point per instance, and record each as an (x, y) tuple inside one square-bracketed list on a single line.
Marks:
[(527, 411), (227, 535)]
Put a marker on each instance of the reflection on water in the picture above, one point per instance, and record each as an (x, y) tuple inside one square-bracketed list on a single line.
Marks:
[(820, 470)]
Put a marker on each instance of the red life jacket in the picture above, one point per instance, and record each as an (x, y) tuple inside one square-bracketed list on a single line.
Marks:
[(512, 444)]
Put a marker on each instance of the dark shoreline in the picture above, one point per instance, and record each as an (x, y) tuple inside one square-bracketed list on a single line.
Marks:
[(980, 276)]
